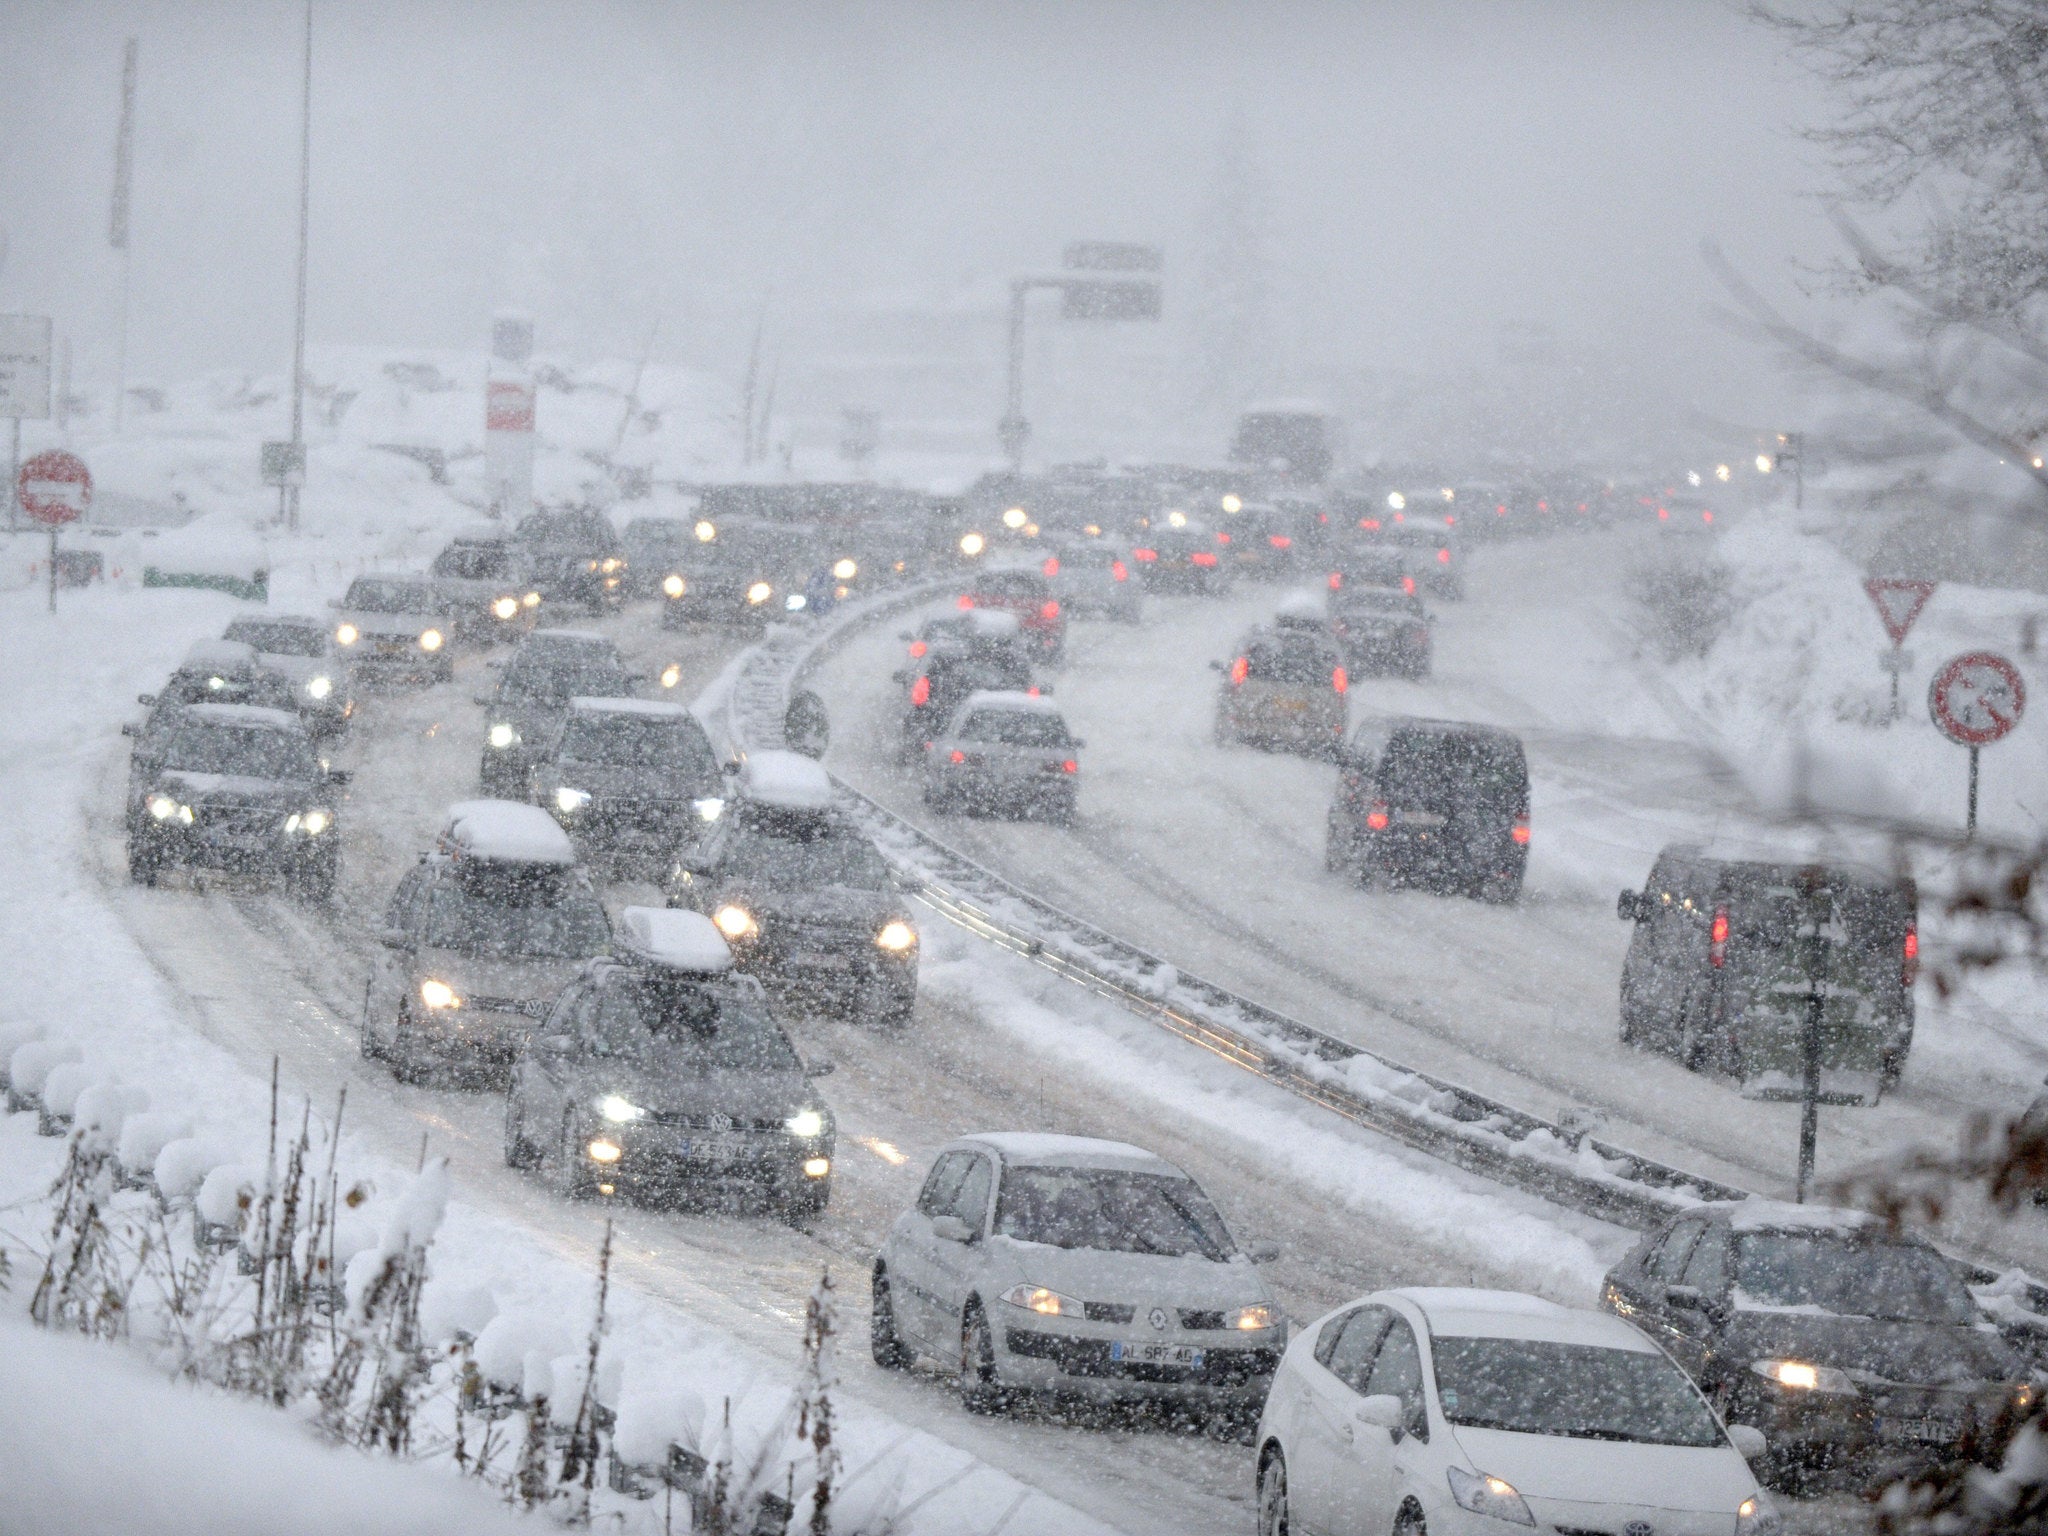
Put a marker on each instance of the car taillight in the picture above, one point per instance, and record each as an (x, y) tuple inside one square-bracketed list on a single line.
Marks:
[(1706, 517), (1376, 818), (1449, 520), (1408, 585), (1909, 969), (1279, 541), (1070, 766), (1049, 611), (1146, 555), (1203, 558), (1222, 538), (1520, 832), (1663, 514), (1443, 557), (921, 693), (1240, 669), (917, 649), (1370, 524), (1052, 565), (966, 601), (1323, 518), (1501, 510), (1336, 580), (957, 755), (1031, 692), (1717, 939), (1339, 681), (1116, 569)]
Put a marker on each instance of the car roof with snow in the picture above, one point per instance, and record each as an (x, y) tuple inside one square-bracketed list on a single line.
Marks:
[(1386, 725), (657, 709), (542, 638), (1461, 1312), (786, 780), (980, 623), (217, 656), (246, 715), (673, 939), (1759, 858), (305, 621), (1009, 699), (504, 832), (1047, 1150), (1301, 608), (480, 533), (1757, 1215)]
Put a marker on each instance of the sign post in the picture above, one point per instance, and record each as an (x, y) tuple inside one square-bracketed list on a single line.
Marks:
[(1135, 295), (24, 387), (508, 417), (54, 488), (1898, 603), (1975, 700)]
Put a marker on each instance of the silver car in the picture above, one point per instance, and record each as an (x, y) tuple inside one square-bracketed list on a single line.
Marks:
[(1005, 754), (1038, 1263), (1094, 577)]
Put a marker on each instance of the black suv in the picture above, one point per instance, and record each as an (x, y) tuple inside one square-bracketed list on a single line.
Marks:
[(573, 555), (950, 662), (237, 788), (1845, 1343), (544, 672), (1436, 803), (631, 781)]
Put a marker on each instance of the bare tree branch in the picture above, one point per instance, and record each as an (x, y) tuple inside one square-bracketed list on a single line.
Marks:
[(1886, 273)]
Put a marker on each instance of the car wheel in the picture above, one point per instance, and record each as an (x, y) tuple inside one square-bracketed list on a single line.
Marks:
[(803, 1203), (519, 1152), (371, 1050), (884, 1343), (980, 1392), (1410, 1522), (1273, 1516), (1893, 1065), (145, 864), (314, 882), (1631, 1023), (404, 1054), (885, 1007), (570, 1177), (1500, 890)]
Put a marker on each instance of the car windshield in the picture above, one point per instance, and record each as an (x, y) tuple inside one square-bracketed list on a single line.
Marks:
[(795, 852), (1579, 1391), (1379, 600), (1016, 728), (575, 532), (563, 675), (279, 639), (522, 911), (247, 751), (640, 741), (668, 1020), (1111, 1210), (1293, 662), (373, 595), (474, 562), (1009, 586), (1848, 1276)]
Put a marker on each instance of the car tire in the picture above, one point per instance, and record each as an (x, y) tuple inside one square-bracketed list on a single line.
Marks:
[(145, 864), (1410, 1522), (406, 1066), (1340, 855), (1273, 1517), (980, 1391), (519, 1152), (1631, 1023), (1500, 890), (800, 1204), (885, 1007), (884, 1342), (570, 1179), (367, 1037), (314, 881)]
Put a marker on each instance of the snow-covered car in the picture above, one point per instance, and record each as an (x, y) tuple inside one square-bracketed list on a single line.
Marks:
[(396, 629), (801, 893), (1026, 593), (1474, 1413), (659, 1072), (1179, 554), (300, 649), (1719, 968), (1437, 803), (479, 937), (1383, 630), (1005, 754), (1849, 1345), (525, 712), (631, 781), (1284, 690), (238, 788), (483, 576), (1066, 1264), (656, 549), (572, 555), (738, 571), (220, 672), (1094, 577), (950, 660)]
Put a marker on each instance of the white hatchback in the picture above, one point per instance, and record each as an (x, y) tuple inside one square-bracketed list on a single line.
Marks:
[(1425, 1412)]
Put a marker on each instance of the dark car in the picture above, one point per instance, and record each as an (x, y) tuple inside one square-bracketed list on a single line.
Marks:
[(1092, 576), (1178, 554), (218, 672), (1026, 594), (1005, 754), (631, 781), (660, 1073), (1383, 630), (1721, 969), (1436, 803), (981, 651), (657, 549), (739, 572), (237, 788), (396, 629), (573, 555), (483, 577), (300, 650), (801, 892), (547, 669), (1846, 1343)]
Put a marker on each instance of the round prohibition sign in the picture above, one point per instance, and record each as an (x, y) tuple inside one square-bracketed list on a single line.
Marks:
[(1977, 699)]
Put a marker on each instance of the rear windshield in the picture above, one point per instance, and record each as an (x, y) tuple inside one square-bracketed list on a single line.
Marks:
[(1010, 584), (637, 741), (1898, 1282), (372, 594), (1869, 920), (667, 1021), (560, 676), (1284, 661), (473, 562), (1424, 767), (248, 751), (995, 667), (578, 531), (279, 639), (1016, 728), (516, 912), (792, 853), (1379, 600), (1111, 1210), (1578, 1391)]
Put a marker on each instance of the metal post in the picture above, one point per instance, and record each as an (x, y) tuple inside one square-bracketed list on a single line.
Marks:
[(1816, 1005), (14, 476), (1898, 661), (53, 567), (1970, 820), (1013, 430), (289, 494)]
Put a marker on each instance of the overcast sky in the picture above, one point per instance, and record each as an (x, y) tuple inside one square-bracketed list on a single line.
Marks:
[(1438, 168)]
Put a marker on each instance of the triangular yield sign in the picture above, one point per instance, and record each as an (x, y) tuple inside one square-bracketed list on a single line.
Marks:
[(1898, 602)]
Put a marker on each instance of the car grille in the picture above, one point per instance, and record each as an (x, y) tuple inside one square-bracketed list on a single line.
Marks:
[(1108, 1311), (1090, 1357), (1200, 1318), (249, 820), (693, 1120)]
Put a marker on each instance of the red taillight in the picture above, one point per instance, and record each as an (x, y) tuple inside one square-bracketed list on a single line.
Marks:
[(1400, 517), (1147, 555), (1408, 585), (1521, 831), (1663, 514), (1501, 510), (1443, 557), (1222, 538), (966, 601), (1049, 611), (1339, 681), (1203, 558), (1240, 669), (1371, 524), (957, 755), (1116, 569), (1052, 565), (1449, 520), (921, 693), (1031, 692), (1376, 819), (1706, 517), (1542, 506), (918, 648), (1279, 541), (1336, 580), (1910, 970), (1717, 939), (1323, 517), (1070, 766)]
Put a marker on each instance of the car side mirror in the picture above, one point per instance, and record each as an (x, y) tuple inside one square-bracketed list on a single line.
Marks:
[(951, 1229), (730, 768), (1690, 1298), (1215, 666), (146, 700), (1629, 906), (339, 776), (395, 938), (1748, 1441), (820, 1068), (128, 729), (483, 699), (1262, 1250), (1383, 1410)]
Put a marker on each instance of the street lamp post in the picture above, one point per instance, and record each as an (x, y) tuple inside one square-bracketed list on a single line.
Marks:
[(288, 507)]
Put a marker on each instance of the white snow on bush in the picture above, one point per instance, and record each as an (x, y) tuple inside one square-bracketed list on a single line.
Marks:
[(183, 1163), (34, 1060)]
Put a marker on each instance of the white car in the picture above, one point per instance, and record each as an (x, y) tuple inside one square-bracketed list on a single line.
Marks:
[(1039, 1263), (1425, 1412)]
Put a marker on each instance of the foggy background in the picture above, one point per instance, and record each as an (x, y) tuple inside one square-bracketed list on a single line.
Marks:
[(1468, 226)]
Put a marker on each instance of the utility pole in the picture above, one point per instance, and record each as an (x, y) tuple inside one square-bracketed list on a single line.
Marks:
[(1013, 431), (117, 223), (289, 493), (1818, 904)]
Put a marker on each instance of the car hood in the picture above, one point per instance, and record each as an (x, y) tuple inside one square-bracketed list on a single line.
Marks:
[(472, 589), (1918, 1354), (624, 782), (480, 976), (826, 904), (198, 789), (389, 626), (1676, 1477), (302, 669), (531, 717), (743, 1096), (1091, 1274)]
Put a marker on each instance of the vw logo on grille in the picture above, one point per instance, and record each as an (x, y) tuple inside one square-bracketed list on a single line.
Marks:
[(1157, 1318), (724, 1123), (1638, 1528)]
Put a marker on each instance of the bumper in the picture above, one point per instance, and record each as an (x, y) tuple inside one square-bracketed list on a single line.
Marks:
[(236, 851), (1033, 788), (1428, 855), (1307, 730), (1906, 1426), (477, 1031), (654, 1158), (413, 666), (1229, 1374), (828, 963)]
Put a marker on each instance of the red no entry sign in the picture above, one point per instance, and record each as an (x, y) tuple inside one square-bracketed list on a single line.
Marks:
[(54, 487), (1977, 699), (1898, 603)]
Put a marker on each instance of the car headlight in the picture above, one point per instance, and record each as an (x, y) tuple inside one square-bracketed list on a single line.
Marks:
[(759, 593), (794, 601), (506, 607), (312, 823), (817, 1167), (430, 640), (319, 687), (568, 801), (674, 586), (531, 600), (1804, 1376), (501, 736), (347, 634), (619, 1110), (1757, 1516), (845, 570), (706, 531), (1252, 1319), (604, 1151), (806, 1122), (671, 675), (896, 936), (1036, 1298), (438, 994), (162, 807), (1485, 1495), (972, 544), (710, 808), (735, 922)]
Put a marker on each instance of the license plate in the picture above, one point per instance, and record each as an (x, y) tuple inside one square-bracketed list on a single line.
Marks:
[(1929, 1431), (819, 960), (711, 1147), (1154, 1354), (1291, 706)]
